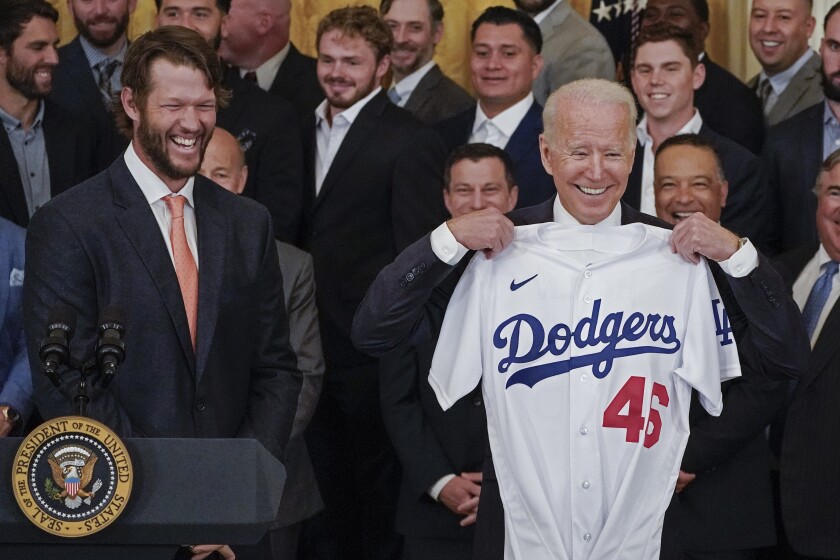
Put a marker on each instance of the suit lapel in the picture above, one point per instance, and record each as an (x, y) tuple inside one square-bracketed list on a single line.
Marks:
[(633, 194), (526, 135), (797, 86), (60, 154), (362, 128), (420, 95), (141, 228), (79, 68), (12, 186), (212, 235)]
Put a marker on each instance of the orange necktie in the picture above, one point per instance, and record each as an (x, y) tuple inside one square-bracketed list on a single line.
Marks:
[(185, 267)]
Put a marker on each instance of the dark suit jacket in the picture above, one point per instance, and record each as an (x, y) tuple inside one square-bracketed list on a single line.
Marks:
[(535, 185), (804, 89), (269, 131), (100, 244), (381, 193), (745, 212), (792, 158), (296, 81), (730, 108), (75, 88), (301, 499), (437, 98), (71, 153), (404, 306), (810, 487)]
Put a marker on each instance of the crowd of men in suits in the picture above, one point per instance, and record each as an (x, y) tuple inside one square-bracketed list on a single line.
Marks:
[(368, 191)]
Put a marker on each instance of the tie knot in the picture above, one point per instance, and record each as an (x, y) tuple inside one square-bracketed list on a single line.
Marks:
[(251, 76), (831, 268), (394, 96), (107, 67), (175, 204)]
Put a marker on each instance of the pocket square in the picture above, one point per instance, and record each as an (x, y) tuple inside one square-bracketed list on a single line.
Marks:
[(16, 278)]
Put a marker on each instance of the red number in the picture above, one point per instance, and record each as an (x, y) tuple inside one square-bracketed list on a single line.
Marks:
[(654, 423), (632, 395)]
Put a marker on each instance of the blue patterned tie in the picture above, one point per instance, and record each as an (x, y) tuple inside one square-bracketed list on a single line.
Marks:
[(818, 297), (394, 96)]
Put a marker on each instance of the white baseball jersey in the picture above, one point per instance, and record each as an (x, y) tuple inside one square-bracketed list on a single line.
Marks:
[(588, 341)]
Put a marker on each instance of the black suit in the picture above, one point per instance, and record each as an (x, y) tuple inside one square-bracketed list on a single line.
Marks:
[(381, 192), (810, 487), (730, 107), (437, 98), (71, 153), (793, 153), (393, 311), (745, 212), (100, 244), (75, 88), (535, 185), (297, 82), (268, 130)]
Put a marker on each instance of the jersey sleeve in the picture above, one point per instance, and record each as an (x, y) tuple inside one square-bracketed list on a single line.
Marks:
[(710, 355), (457, 363)]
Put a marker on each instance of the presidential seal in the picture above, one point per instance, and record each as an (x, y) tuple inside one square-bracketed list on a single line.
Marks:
[(72, 476)]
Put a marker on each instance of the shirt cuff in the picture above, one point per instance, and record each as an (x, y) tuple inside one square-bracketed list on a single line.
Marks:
[(742, 262), (446, 247), (434, 491)]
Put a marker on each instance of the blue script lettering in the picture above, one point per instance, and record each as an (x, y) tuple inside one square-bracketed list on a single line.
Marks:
[(589, 332)]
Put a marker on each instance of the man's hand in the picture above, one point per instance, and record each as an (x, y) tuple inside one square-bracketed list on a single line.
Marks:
[(683, 480), (5, 426), (460, 495), (202, 551), (698, 235), (485, 230)]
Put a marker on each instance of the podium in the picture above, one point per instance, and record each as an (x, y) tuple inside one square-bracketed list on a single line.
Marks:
[(185, 491)]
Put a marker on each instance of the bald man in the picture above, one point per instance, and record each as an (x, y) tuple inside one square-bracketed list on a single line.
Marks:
[(224, 163), (255, 37)]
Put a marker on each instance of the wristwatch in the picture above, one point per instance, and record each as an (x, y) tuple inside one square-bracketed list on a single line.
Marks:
[(10, 414)]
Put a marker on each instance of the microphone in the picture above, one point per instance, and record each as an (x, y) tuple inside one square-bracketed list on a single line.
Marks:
[(110, 349), (54, 351)]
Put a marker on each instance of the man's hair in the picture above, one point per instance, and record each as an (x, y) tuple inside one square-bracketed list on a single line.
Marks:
[(174, 44), (828, 164), (222, 5), (594, 93), (475, 153), (830, 13), (359, 21), (662, 31), (695, 141), (499, 15), (435, 8), (701, 8), (16, 14)]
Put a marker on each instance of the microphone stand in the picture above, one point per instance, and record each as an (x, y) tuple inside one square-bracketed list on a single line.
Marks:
[(81, 400)]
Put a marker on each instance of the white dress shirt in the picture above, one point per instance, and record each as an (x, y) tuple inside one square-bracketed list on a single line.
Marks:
[(498, 130), (154, 189), (329, 138)]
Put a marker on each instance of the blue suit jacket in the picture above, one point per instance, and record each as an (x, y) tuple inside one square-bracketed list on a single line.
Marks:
[(15, 379), (99, 244), (535, 185)]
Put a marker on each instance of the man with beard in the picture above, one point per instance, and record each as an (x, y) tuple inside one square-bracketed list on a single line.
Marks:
[(374, 174), (572, 48), (89, 67), (43, 149), (255, 38), (795, 149), (266, 126), (419, 85), (193, 267)]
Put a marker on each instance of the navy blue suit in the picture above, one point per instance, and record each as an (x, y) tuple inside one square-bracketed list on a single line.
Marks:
[(15, 379), (535, 185), (100, 244)]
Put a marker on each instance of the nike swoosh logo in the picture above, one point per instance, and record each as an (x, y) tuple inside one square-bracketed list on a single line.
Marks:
[(514, 286)]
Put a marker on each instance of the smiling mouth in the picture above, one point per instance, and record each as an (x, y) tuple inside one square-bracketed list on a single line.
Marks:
[(680, 216), (770, 44), (658, 96), (186, 143), (591, 192)]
